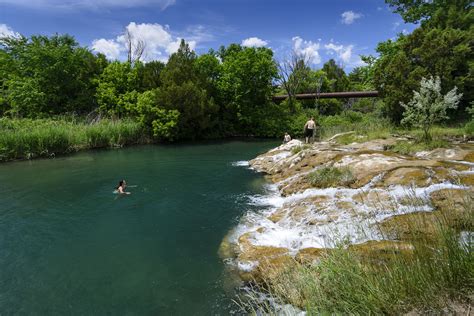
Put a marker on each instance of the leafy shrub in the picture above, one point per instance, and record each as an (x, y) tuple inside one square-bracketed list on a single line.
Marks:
[(469, 128), (429, 106)]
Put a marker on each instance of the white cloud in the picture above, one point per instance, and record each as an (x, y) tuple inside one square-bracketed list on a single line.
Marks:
[(349, 17), (159, 42), (254, 42), (110, 48), (331, 48), (89, 4), (307, 48), (344, 53), (6, 31)]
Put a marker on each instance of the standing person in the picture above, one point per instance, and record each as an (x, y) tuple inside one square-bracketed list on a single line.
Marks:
[(287, 138), (309, 129), (121, 187)]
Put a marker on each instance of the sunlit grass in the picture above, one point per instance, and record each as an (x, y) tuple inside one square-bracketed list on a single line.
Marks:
[(27, 139), (327, 177), (435, 273)]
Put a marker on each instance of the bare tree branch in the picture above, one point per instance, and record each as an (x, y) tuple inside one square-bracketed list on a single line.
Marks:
[(135, 47), (292, 74)]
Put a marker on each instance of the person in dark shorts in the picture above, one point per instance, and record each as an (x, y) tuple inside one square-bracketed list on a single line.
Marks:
[(309, 129)]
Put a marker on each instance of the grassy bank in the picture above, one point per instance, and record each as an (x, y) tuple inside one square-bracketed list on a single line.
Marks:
[(434, 275), (368, 127), (27, 139)]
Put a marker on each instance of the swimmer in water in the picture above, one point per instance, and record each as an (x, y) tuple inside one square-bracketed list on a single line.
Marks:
[(121, 187)]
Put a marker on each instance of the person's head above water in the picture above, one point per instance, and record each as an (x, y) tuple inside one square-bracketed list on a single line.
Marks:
[(122, 183)]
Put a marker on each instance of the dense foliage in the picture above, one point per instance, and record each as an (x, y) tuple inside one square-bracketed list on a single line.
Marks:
[(442, 46), (228, 92)]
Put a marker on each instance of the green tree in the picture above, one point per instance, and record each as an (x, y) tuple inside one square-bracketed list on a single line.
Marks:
[(183, 89), (161, 123), (429, 106), (412, 11), (336, 75), (441, 46), (55, 68), (209, 71), (245, 87), (149, 74), (117, 89), (362, 78)]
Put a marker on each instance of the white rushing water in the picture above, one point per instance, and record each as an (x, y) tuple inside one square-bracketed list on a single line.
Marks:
[(242, 163), (327, 224), (325, 218)]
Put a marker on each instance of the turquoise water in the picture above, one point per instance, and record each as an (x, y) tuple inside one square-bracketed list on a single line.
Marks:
[(68, 245)]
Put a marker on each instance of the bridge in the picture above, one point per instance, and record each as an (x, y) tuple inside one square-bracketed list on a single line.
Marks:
[(329, 95)]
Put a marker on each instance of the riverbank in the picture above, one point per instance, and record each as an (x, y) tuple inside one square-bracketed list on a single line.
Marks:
[(357, 228), (43, 138), (40, 138)]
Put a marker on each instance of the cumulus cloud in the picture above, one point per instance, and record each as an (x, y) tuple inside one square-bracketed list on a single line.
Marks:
[(307, 48), (6, 31), (254, 42), (110, 48), (331, 48), (344, 53), (158, 39), (89, 4), (349, 17)]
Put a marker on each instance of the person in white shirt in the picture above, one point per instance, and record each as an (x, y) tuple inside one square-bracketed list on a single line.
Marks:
[(287, 138)]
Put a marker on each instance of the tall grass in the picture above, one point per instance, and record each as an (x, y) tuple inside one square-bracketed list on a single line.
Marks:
[(327, 177), (368, 125), (435, 274), (27, 139)]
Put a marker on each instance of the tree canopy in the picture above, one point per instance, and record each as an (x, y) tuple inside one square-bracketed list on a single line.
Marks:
[(228, 92)]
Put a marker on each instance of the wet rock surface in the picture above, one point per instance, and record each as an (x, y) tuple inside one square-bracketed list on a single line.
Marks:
[(373, 215)]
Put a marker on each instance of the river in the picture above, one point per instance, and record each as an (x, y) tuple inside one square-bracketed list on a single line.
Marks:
[(68, 245)]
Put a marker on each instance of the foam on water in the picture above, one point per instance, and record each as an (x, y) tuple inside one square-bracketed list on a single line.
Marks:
[(242, 163), (331, 224), (463, 162)]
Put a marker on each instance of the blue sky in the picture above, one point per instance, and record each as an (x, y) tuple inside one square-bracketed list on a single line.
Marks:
[(323, 29)]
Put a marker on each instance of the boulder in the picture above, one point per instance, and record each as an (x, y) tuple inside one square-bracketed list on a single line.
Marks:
[(265, 263)]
